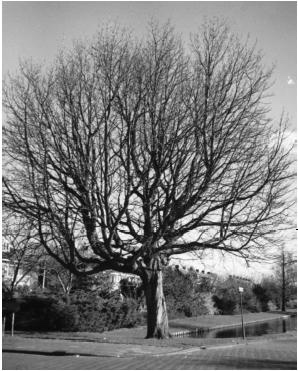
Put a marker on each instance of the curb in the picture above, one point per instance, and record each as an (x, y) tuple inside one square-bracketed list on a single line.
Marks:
[(247, 341), (196, 349), (179, 351)]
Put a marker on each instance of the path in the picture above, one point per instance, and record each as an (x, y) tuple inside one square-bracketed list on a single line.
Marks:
[(265, 353)]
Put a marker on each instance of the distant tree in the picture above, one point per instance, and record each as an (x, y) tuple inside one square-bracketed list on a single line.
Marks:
[(56, 278), (206, 282), (227, 299), (226, 296), (262, 296), (272, 289), (139, 152), (22, 252), (285, 276)]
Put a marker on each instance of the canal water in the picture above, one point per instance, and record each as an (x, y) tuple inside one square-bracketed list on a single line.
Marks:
[(255, 329)]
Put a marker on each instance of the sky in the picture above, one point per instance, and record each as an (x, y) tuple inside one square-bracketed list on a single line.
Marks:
[(38, 30)]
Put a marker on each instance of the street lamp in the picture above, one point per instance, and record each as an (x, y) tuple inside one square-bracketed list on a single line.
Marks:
[(243, 329)]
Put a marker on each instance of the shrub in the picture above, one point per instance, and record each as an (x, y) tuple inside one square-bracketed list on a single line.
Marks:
[(225, 305), (292, 304), (101, 314), (183, 292), (254, 305), (209, 304), (88, 305), (87, 312), (271, 306), (40, 313), (227, 298), (262, 295)]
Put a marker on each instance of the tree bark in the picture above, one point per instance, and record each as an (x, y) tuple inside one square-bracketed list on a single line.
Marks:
[(157, 317), (67, 298)]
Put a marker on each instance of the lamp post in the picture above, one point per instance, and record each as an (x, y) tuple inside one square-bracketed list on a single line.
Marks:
[(243, 329)]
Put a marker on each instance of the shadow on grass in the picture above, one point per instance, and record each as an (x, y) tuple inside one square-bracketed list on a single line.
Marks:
[(54, 353)]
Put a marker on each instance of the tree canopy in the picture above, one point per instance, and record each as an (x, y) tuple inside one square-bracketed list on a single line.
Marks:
[(126, 152)]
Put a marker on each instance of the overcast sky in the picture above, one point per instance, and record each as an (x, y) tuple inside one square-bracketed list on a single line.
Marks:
[(40, 29)]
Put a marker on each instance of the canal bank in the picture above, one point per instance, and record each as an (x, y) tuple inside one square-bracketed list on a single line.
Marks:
[(219, 322), (278, 323)]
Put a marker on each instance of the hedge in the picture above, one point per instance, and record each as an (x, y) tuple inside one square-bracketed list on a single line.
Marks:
[(86, 312)]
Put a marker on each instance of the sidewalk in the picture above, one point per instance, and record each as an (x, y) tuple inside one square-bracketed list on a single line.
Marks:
[(18, 344), (274, 352), (128, 349)]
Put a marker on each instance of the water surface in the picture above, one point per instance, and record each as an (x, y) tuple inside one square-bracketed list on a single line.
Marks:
[(274, 326)]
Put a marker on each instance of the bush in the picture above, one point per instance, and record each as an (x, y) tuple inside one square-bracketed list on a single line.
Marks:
[(225, 305), (262, 295), (184, 295), (292, 304), (271, 306), (40, 313), (87, 312), (102, 314), (254, 305), (209, 304), (88, 306), (227, 298)]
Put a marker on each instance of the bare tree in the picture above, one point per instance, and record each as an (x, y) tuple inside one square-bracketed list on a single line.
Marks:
[(22, 252), (285, 276), (55, 275), (128, 152)]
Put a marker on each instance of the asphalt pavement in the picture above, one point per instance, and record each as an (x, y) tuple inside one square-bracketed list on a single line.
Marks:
[(271, 353)]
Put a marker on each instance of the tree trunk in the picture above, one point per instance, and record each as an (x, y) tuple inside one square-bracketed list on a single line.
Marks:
[(157, 317), (67, 298)]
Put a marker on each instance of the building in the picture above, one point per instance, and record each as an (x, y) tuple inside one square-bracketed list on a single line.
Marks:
[(12, 267), (240, 281), (116, 277)]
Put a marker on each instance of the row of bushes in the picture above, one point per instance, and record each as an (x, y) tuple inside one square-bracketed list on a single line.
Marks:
[(97, 308), (86, 312), (188, 294)]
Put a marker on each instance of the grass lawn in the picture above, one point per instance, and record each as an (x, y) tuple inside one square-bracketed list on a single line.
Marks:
[(137, 335)]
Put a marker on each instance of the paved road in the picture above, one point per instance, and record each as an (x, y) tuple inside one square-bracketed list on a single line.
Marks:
[(278, 353)]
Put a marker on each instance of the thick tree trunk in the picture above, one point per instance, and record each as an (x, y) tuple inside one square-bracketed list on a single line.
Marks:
[(157, 317), (67, 298)]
